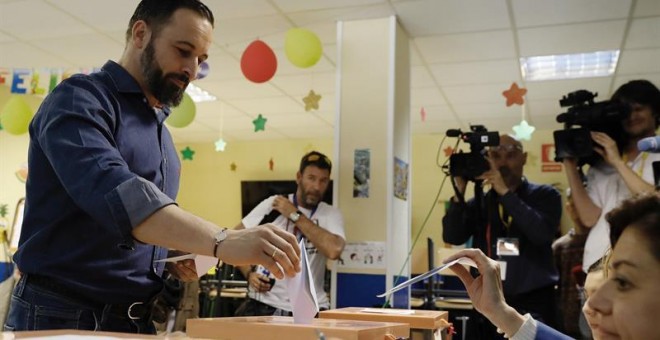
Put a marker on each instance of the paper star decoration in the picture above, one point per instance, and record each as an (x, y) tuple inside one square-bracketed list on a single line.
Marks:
[(220, 145), (523, 131), (259, 123), (448, 151), (422, 113), (187, 153), (271, 164), (232, 166), (312, 101), (514, 95)]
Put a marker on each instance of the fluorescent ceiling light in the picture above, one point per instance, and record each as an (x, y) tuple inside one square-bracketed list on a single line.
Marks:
[(198, 95), (569, 66)]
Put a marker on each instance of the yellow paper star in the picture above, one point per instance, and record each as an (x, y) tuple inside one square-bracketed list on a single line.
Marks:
[(232, 167), (312, 101)]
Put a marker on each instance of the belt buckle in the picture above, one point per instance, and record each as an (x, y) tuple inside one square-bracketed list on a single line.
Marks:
[(130, 308)]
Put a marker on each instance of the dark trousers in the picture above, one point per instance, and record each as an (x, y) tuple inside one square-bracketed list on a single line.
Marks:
[(252, 307), (34, 308)]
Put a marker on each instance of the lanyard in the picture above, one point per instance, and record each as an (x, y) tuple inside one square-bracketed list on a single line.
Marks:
[(639, 171), (509, 218)]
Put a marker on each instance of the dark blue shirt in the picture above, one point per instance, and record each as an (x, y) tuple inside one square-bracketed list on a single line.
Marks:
[(535, 212), (101, 161)]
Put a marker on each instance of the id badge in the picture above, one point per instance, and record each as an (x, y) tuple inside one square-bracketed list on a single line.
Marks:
[(502, 270), (508, 247)]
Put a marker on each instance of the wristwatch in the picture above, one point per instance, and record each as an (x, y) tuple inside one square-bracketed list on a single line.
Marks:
[(295, 216), (218, 238)]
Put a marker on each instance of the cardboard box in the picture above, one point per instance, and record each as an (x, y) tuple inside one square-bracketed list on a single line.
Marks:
[(282, 327), (418, 319)]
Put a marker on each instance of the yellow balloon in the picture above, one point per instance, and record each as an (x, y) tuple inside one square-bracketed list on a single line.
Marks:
[(184, 114), (16, 115), (303, 48)]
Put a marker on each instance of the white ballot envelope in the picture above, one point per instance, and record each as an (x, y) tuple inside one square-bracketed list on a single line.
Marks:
[(462, 260), (302, 293)]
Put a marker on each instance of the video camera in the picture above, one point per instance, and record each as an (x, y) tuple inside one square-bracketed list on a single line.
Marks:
[(606, 116), (473, 164)]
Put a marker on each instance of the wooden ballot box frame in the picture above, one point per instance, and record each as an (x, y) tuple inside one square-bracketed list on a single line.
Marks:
[(282, 327), (429, 323)]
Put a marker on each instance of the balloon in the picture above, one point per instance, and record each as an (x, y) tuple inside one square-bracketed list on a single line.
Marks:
[(184, 114), (16, 115), (303, 48), (258, 62), (204, 70)]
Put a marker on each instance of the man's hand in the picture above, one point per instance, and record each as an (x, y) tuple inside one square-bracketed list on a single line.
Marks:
[(184, 270), (608, 148), (273, 248), (284, 206), (259, 282), (493, 177)]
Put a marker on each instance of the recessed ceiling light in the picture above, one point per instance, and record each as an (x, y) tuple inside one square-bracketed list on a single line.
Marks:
[(569, 66), (198, 95)]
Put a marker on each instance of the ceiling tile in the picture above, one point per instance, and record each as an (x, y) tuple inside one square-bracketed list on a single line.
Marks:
[(644, 33), (20, 19), (531, 13), (639, 62), (647, 8), (476, 72), (488, 93), (429, 96), (76, 49), (554, 90), (451, 16), (300, 85), (268, 106), (103, 15), (305, 5), (420, 77), (239, 89), (467, 47), (589, 37)]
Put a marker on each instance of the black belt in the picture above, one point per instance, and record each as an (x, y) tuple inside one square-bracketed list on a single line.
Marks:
[(134, 311)]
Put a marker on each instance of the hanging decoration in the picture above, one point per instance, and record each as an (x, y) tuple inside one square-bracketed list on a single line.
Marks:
[(204, 70), (259, 123), (302, 47), (422, 114), (448, 151), (187, 153), (184, 114), (22, 172), (514, 95), (220, 145), (271, 164), (312, 101), (232, 167), (16, 115), (523, 131), (258, 62)]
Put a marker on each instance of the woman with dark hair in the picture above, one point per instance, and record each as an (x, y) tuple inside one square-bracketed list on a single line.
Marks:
[(627, 304)]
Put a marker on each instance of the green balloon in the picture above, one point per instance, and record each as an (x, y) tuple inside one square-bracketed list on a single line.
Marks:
[(16, 115), (184, 114)]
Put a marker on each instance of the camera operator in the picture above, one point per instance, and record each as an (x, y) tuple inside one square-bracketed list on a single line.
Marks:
[(515, 223), (621, 173)]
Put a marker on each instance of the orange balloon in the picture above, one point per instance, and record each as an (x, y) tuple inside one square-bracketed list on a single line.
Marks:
[(258, 62)]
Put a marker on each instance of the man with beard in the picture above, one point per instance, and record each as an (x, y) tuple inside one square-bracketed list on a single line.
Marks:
[(624, 170), (306, 216), (100, 208), (514, 223)]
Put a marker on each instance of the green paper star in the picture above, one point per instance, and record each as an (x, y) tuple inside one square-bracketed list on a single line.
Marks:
[(523, 131), (0, 126), (312, 101), (187, 153), (259, 123), (220, 145)]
